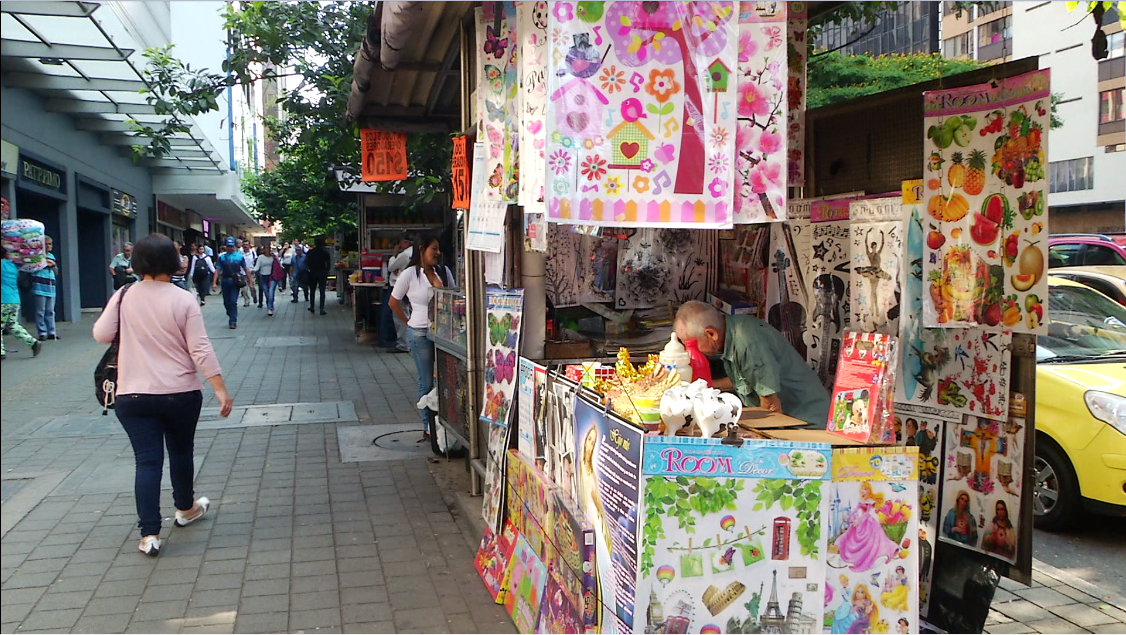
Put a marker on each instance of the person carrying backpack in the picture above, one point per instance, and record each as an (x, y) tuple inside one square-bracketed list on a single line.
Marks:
[(232, 271)]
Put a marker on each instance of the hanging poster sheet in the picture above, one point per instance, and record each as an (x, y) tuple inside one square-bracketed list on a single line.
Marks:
[(877, 256), (981, 493), (580, 267), (492, 506), (498, 90), (925, 428), (659, 265), (873, 552), (486, 226), (760, 151), (535, 232), (962, 370), (827, 287), (986, 160), (857, 408), (527, 577), (559, 423), (503, 311), (786, 290), (742, 261), (492, 559), (531, 438), (607, 478), (641, 113), (733, 540), (532, 30), (797, 54)]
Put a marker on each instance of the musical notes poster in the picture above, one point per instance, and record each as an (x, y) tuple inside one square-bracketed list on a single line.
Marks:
[(641, 113), (504, 311)]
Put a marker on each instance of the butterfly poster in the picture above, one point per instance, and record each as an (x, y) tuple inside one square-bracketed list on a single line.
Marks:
[(504, 312), (641, 113), (532, 31), (877, 257), (734, 538), (498, 98), (760, 138)]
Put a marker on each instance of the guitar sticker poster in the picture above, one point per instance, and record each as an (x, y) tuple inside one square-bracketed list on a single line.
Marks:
[(641, 113), (986, 167), (960, 370), (981, 490), (658, 265), (532, 31), (786, 291), (503, 310), (827, 286), (796, 57), (734, 540), (760, 158), (873, 551), (498, 101)]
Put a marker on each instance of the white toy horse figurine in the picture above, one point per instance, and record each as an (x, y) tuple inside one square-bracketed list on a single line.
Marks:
[(676, 407)]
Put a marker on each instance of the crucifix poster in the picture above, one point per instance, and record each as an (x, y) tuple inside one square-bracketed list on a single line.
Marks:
[(641, 113)]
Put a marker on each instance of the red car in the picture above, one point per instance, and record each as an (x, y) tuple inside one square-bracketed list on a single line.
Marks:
[(1084, 250)]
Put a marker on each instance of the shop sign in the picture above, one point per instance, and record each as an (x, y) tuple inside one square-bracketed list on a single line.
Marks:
[(169, 215), (124, 204), (459, 170), (9, 157), (35, 172), (384, 155)]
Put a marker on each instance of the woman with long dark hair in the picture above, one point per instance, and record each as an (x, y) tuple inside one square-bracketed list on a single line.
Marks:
[(163, 349), (417, 283)]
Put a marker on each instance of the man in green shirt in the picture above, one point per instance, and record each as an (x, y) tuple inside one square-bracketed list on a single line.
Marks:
[(762, 367)]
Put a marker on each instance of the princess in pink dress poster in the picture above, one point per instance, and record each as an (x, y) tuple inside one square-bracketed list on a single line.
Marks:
[(864, 542)]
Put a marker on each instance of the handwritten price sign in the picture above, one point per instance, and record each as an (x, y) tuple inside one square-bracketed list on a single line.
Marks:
[(384, 155), (459, 170)]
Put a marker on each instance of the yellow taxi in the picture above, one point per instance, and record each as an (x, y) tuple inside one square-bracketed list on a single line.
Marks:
[(1080, 462)]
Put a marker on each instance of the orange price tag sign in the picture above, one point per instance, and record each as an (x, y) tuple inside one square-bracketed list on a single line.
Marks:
[(459, 171), (384, 155)]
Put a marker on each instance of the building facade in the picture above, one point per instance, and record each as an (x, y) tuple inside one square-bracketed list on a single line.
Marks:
[(985, 35), (911, 28)]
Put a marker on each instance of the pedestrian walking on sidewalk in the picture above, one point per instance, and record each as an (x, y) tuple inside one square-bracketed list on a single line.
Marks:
[(163, 349), (286, 254), (318, 262), (120, 268), (231, 270), (10, 304), (269, 272), (43, 290), (249, 292), (201, 271), (417, 283), (300, 273), (180, 278), (393, 331)]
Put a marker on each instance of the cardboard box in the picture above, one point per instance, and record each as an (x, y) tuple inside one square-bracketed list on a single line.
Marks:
[(732, 303)]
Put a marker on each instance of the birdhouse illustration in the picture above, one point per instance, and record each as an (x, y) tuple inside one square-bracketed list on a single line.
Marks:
[(718, 76), (629, 142), (579, 110)]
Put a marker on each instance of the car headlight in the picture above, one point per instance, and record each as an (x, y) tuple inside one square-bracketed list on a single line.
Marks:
[(1107, 408)]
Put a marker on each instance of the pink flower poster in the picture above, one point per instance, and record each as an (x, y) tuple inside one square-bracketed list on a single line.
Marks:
[(498, 98), (797, 56), (760, 140), (532, 31), (641, 113)]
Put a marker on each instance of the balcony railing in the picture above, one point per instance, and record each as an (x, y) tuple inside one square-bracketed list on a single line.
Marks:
[(1112, 69), (995, 51), (1112, 127)]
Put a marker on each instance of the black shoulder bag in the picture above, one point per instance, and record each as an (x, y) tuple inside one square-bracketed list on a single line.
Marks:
[(105, 373)]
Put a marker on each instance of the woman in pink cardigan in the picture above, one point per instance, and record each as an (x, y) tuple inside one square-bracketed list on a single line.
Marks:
[(163, 350)]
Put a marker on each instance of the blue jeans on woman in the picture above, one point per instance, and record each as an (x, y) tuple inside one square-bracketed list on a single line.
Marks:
[(230, 298), (266, 288), (422, 350), (45, 315), (153, 423)]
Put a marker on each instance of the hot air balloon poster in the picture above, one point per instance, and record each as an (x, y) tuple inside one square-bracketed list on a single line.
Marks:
[(641, 113)]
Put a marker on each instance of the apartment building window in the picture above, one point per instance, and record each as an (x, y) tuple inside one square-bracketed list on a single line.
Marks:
[(1072, 175), (995, 32), (1110, 106), (1116, 44), (958, 46)]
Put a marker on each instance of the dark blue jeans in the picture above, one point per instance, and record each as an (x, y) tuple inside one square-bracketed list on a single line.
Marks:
[(422, 350), (230, 290), (153, 423)]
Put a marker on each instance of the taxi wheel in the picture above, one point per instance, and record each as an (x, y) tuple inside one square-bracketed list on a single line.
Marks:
[(1055, 494)]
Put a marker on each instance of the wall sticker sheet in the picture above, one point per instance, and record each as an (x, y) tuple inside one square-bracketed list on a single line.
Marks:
[(877, 257), (581, 267), (532, 31), (987, 211), (504, 310), (797, 53), (498, 101), (559, 423), (962, 370), (827, 287), (873, 551), (741, 260), (981, 493), (658, 265), (786, 275), (760, 151), (527, 577), (492, 504), (641, 113), (733, 540)]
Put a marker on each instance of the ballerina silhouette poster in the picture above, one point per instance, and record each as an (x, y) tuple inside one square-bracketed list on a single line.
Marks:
[(873, 561), (877, 255)]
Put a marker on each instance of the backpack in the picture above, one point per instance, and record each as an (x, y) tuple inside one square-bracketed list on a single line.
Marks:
[(238, 274), (277, 273)]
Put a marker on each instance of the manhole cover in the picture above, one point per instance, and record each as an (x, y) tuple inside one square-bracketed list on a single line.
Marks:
[(402, 441), (393, 442)]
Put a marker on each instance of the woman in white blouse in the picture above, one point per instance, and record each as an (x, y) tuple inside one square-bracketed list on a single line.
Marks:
[(200, 273)]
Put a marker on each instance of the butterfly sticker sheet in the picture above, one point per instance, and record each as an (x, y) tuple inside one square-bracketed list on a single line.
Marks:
[(532, 31), (760, 138), (641, 113), (877, 256), (797, 22), (658, 265), (503, 313), (498, 98)]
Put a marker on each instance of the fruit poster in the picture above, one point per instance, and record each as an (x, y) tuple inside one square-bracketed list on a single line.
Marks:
[(760, 138), (827, 287), (656, 265), (733, 538), (532, 31), (607, 479), (858, 408), (981, 492), (873, 549), (641, 113), (498, 74), (527, 577), (796, 58), (986, 160), (503, 310), (492, 504), (960, 370), (492, 559), (877, 259)]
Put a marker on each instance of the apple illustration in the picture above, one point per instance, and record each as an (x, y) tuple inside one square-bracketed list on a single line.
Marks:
[(935, 240)]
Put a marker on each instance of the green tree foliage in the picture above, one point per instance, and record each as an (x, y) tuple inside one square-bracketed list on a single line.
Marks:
[(835, 77)]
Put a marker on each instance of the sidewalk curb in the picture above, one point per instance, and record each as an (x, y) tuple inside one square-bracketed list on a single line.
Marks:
[(1113, 599)]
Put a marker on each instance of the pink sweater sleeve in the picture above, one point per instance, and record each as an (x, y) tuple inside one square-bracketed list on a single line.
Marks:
[(105, 329), (199, 345)]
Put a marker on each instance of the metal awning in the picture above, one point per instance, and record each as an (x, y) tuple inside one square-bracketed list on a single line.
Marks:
[(65, 54)]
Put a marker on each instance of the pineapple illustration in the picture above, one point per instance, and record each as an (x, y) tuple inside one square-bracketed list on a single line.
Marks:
[(957, 174), (975, 175)]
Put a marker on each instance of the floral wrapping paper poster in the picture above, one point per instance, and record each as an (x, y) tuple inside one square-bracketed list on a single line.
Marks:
[(827, 287), (961, 370), (986, 161), (797, 54), (760, 139), (873, 551), (981, 492), (641, 113), (658, 265), (498, 98), (532, 31), (504, 310), (733, 538)]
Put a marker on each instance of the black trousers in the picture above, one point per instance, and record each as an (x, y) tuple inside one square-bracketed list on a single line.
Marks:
[(317, 282)]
